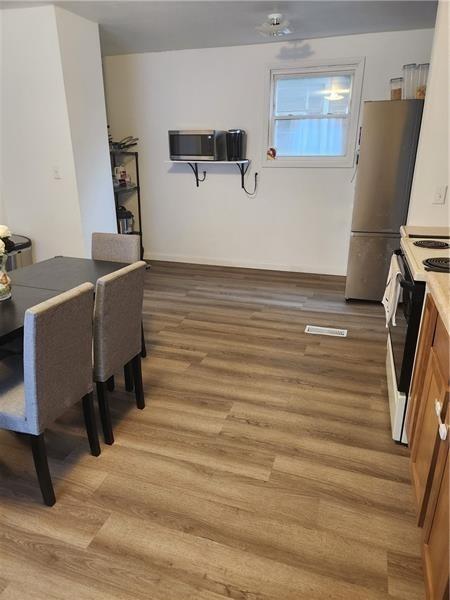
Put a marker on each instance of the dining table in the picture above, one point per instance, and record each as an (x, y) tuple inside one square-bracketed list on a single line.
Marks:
[(40, 281)]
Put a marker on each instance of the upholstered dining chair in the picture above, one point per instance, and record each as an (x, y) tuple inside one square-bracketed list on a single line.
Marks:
[(54, 374), (117, 334), (119, 247)]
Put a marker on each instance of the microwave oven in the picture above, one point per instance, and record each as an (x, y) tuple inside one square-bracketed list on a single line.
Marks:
[(195, 145)]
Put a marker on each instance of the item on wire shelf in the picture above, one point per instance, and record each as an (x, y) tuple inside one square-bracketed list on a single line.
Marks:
[(121, 176), (125, 220), (124, 144)]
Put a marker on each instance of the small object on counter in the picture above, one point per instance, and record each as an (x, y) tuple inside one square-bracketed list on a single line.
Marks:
[(409, 81), (271, 153), (5, 281), (5, 237), (396, 84), (422, 76)]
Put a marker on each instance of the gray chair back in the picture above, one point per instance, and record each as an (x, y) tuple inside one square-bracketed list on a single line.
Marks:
[(117, 319), (116, 247), (57, 355)]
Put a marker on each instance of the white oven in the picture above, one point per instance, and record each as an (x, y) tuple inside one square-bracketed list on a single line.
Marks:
[(401, 347)]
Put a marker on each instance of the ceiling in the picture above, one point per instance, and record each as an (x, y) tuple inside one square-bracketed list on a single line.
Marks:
[(130, 26)]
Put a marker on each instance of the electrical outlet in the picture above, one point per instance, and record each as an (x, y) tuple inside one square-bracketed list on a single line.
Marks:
[(440, 194), (56, 172)]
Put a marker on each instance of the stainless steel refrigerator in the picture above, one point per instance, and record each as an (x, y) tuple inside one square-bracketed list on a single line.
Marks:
[(388, 147)]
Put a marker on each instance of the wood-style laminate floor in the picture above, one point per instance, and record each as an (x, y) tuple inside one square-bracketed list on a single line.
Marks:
[(261, 469)]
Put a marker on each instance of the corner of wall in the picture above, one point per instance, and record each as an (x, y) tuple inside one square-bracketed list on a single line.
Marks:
[(431, 171), (35, 135), (85, 99)]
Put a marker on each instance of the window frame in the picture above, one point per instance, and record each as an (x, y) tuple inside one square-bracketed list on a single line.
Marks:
[(354, 66)]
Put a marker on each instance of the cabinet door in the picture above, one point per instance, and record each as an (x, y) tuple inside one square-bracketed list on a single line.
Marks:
[(437, 528), (423, 352), (426, 439)]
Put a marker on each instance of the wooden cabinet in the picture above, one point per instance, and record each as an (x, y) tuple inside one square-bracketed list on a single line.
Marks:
[(428, 434), (425, 442), (436, 531)]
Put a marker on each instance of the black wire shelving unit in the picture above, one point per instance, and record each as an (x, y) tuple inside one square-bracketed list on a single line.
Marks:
[(122, 192)]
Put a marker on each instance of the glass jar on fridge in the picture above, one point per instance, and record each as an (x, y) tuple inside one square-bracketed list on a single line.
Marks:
[(409, 81), (396, 84), (422, 76)]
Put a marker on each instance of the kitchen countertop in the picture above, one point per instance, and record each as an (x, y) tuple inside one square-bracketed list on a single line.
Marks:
[(415, 256), (439, 287), (406, 230)]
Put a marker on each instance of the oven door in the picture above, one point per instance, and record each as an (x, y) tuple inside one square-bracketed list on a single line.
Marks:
[(398, 332), (404, 334)]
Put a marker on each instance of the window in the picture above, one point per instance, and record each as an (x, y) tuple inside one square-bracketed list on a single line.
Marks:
[(313, 115)]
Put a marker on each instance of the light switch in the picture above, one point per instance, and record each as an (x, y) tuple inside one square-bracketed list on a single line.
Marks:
[(56, 172), (440, 194)]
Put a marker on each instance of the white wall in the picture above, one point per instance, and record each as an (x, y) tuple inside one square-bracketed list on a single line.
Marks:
[(300, 218), (83, 82), (44, 112), (432, 155), (36, 136)]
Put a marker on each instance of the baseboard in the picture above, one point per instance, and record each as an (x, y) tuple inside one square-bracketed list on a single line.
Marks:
[(198, 260)]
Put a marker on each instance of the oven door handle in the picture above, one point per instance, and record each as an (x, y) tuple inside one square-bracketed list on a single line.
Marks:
[(408, 285)]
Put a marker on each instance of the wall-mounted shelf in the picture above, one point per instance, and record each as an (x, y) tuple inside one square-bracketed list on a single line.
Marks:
[(242, 165)]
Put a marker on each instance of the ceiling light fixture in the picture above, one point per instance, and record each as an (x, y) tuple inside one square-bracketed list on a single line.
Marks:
[(275, 26), (334, 96)]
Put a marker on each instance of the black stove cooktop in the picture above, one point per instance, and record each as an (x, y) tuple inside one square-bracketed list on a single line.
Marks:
[(432, 244), (440, 264)]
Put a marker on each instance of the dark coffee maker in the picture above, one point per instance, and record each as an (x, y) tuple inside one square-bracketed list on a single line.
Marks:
[(236, 144)]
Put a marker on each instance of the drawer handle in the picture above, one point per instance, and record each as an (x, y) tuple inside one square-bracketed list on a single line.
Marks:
[(443, 429)]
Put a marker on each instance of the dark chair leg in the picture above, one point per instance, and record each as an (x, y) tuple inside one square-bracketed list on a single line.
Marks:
[(138, 386), (42, 471), (91, 424), (128, 374), (144, 348), (110, 384), (105, 415)]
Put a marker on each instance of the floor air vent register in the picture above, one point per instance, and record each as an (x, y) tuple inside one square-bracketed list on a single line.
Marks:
[(315, 330)]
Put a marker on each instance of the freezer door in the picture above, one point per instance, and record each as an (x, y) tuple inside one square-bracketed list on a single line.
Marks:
[(368, 265), (389, 138)]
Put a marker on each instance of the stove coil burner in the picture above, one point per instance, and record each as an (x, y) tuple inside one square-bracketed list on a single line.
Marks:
[(433, 244), (441, 264)]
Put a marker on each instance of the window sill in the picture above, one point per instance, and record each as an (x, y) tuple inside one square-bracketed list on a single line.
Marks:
[(313, 163)]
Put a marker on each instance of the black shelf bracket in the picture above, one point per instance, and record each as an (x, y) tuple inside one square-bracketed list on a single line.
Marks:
[(194, 167), (243, 168)]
